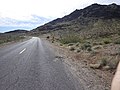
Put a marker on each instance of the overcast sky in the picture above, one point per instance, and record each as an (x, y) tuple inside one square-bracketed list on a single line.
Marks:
[(28, 14)]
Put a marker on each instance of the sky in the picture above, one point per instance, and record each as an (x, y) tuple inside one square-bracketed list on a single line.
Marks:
[(29, 14)]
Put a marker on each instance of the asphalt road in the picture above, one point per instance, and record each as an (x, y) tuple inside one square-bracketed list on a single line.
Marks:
[(31, 65)]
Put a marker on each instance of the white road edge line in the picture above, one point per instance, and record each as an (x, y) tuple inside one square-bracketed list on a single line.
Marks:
[(22, 51)]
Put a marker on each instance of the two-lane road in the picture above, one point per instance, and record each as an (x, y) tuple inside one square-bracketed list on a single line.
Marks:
[(31, 65)]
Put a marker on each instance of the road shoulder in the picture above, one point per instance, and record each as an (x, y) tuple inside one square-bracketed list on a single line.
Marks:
[(89, 78)]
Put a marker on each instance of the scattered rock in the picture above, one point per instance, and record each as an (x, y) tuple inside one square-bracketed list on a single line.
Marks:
[(89, 49), (95, 66), (77, 50), (61, 44), (70, 44), (97, 47), (85, 46), (59, 57), (106, 68), (71, 48)]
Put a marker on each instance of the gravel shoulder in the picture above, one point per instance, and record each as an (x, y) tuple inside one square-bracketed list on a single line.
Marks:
[(91, 79)]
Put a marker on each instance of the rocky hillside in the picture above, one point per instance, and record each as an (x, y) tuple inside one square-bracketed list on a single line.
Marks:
[(92, 21), (93, 33)]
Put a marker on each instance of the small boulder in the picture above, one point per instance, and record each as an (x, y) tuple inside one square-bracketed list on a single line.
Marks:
[(71, 48), (106, 68), (61, 44), (95, 66), (78, 50)]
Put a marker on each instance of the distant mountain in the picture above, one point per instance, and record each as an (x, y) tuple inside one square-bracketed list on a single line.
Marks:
[(14, 33), (94, 19), (0, 34), (10, 36), (17, 31)]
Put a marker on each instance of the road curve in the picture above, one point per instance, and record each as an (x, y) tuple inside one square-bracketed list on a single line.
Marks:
[(31, 65)]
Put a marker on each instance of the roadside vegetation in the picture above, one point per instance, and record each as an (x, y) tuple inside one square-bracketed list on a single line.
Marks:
[(71, 38), (102, 52), (10, 38)]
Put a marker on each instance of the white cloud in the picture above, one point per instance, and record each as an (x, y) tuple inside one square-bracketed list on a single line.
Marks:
[(22, 9), (34, 20)]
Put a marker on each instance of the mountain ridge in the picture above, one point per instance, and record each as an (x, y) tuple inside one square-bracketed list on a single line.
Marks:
[(83, 19), (17, 31), (77, 13)]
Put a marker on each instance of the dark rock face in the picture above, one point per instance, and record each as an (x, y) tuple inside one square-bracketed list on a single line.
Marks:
[(102, 11), (94, 10)]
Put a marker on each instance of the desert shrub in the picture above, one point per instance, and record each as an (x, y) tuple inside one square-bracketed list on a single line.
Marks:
[(113, 64), (89, 49), (48, 37), (61, 44), (118, 51), (97, 47), (107, 41), (78, 50), (117, 41), (119, 32), (10, 38), (94, 52), (86, 46), (103, 61), (70, 39), (71, 48), (97, 43), (77, 44), (2, 41)]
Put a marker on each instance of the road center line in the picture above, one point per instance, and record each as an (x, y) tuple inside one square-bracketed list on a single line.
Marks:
[(22, 51)]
